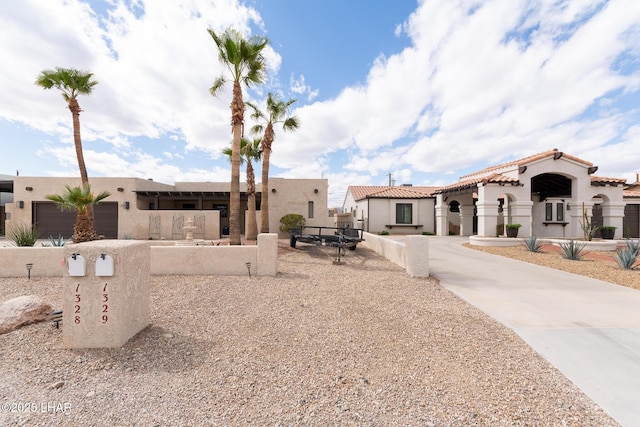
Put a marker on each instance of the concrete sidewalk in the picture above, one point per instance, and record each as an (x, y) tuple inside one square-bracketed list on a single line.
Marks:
[(588, 329)]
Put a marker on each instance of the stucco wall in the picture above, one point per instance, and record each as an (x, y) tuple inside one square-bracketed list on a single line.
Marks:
[(47, 261), (410, 253), (136, 222), (165, 258), (293, 196), (290, 196)]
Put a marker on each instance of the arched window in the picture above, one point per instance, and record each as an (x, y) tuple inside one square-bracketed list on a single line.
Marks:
[(454, 206)]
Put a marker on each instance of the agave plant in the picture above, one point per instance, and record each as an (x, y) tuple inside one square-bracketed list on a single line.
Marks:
[(626, 258), (633, 247), (532, 244), (57, 242), (572, 250)]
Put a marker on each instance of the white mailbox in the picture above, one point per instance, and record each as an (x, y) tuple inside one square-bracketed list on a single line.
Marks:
[(77, 265), (104, 266)]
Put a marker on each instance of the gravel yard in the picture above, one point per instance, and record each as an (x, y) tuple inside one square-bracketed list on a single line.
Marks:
[(319, 344), (596, 264)]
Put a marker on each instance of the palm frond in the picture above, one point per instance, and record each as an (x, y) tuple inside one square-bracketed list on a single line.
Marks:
[(69, 81), (77, 198)]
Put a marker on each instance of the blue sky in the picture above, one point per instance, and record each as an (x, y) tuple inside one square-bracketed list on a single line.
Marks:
[(424, 90)]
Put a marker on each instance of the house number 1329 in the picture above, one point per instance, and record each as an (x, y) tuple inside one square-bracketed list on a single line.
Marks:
[(105, 306)]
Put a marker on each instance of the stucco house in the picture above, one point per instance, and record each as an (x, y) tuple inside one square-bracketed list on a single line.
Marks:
[(401, 209), (548, 194), (143, 209), (6, 196)]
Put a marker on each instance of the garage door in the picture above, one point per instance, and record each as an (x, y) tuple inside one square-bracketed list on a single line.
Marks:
[(631, 222), (51, 221)]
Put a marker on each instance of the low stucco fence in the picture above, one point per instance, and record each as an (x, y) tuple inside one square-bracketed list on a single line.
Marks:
[(410, 253), (260, 259)]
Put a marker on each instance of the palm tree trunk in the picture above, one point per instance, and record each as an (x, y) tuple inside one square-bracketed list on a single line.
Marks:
[(75, 115), (83, 230), (264, 201), (88, 219), (252, 227), (237, 119)]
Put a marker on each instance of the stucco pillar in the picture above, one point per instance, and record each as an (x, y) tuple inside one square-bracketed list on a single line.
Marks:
[(521, 213), (466, 220), (442, 221), (106, 293), (267, 254), (613, 214), (417, 256), (487, 217), (576, 218)]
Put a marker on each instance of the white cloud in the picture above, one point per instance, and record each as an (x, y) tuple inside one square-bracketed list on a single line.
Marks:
[(481, 82), (298, 86), (165, 92)]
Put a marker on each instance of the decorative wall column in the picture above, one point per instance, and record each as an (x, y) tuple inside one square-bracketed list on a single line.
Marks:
[(442, 220), (487, 217), (466, 220), (521, 213), (613, 215), (487, 207), (575, 225)]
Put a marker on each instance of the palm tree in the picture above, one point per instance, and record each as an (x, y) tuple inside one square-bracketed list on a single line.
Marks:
[(81, 200), (276, 112), (246, 64), (249, 151), (72, 83)]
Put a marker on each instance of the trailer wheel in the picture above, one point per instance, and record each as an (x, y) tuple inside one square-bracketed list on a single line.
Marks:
[(292, 241), (352, 248)]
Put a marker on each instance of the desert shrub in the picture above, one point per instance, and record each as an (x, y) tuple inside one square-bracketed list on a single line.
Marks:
[(23, 235), (633, 247), (626, 258), (384, 233), (57, 242), (572, 250), (532, 244), (289, 221), (428, 233)]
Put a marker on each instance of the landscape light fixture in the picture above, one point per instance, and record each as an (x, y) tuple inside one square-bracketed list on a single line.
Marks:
[(29, 267), (248, 264)]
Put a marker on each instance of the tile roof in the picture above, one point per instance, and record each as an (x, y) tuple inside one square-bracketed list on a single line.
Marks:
[(605, 180), (526, 161), (360, 192), (495, 178), (627, 193)]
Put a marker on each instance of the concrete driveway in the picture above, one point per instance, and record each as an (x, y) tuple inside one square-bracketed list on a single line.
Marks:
[(588, 329)]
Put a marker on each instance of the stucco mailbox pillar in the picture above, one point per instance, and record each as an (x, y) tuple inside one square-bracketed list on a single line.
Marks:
[(106, 293)]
